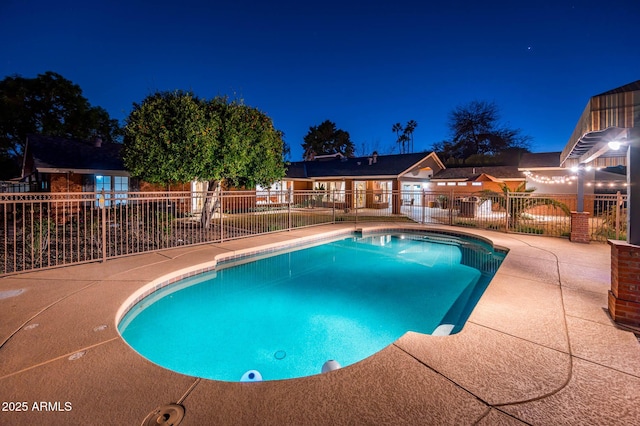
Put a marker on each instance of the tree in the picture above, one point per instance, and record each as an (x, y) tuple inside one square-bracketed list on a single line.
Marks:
[(177, 137), (475, 130), (406, 137), (397, 128), (408, 130), (50, 105), (327, 139)]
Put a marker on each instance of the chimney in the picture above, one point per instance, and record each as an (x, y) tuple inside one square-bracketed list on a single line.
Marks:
[(370, 160), (375, 156), (97, 142)]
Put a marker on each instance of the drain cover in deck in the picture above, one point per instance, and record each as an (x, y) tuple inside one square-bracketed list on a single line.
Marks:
[(168, 415)]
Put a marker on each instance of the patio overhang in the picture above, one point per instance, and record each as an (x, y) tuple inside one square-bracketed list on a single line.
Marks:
[(608, 117), (608, 134)]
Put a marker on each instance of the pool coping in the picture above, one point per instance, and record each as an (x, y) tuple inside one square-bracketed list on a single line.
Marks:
[(537, 349)]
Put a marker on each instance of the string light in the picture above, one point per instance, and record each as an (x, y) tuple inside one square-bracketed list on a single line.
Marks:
[(559, 180), (552, 180)]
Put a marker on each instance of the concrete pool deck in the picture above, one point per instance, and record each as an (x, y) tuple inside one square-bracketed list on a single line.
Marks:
[(539, 348)]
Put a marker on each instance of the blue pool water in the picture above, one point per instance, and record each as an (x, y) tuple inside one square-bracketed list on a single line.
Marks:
[(287, 314)]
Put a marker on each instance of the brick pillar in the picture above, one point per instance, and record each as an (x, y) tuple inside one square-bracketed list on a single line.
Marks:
[(580, 227), (624, 296)]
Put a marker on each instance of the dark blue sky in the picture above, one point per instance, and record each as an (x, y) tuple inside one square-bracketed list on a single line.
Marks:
[(363, 65)]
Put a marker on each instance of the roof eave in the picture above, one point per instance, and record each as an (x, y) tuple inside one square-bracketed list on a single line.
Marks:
[(83, 171)]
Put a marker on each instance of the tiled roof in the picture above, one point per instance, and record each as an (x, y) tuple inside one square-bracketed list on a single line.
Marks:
[(540, 159), (471, 173), (50, 152), (385, 165)]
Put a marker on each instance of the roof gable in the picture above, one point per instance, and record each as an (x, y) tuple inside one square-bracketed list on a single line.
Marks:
[(381, 166)]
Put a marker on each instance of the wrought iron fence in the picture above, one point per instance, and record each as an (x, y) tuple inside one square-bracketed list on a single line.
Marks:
[(43, 230)]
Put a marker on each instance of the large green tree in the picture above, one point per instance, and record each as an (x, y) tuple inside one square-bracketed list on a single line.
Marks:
[(50, 105), (326, 139), (177, 137), (476, 130)]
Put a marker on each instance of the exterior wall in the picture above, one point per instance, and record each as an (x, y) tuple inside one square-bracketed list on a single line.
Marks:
[(302, 185), (469, 188), (63, 182), (156, 187)]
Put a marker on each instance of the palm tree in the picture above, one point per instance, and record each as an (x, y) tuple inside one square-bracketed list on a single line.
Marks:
[(517, 206), (398, 128), (408, 130)]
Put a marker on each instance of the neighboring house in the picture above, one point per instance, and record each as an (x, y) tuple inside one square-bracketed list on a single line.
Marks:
[(55, 164), (62, 165), (478, 178), (364, 182)]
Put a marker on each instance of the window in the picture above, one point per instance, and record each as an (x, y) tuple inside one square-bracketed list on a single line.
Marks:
[(277, 193), (115, 189)]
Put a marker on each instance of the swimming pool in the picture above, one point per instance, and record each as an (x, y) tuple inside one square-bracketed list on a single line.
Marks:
[(286, 315)]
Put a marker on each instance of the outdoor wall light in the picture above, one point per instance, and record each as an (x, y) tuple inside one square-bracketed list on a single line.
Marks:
[(614, 145)]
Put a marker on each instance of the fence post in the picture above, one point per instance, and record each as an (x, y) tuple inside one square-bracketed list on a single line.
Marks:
[(102, 203), (333, 197), (423, 204), (618, 205), (508, 208), (450, 206), (220, 203), (289, 201), (355, 193)]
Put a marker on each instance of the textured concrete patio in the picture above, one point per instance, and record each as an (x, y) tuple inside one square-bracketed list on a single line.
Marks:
[(539, 348)]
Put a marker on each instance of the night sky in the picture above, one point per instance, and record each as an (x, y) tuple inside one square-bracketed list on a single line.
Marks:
[(363, 65)]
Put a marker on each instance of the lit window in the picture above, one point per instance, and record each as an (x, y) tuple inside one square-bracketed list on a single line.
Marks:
[(441, 184), (114, 187), (476, 183), (462, 183), (451, 184)]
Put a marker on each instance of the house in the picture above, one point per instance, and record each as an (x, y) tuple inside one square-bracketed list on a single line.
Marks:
[(365, 182), (474, 179), (56, 164), (64, 165)]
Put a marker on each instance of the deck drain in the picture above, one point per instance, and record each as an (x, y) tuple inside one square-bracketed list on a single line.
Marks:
[(100, 327), (280, 354), (170, 415), (31, 326), (77, 355)]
